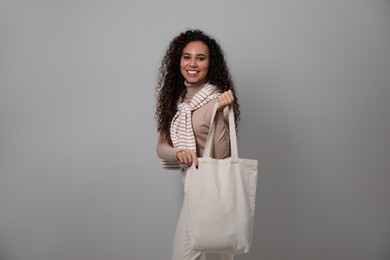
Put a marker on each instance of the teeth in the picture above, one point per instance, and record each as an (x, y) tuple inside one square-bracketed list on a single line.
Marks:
[(192, 71)]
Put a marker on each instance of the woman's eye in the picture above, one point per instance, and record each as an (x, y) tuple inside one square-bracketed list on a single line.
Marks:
[(186, 57), (201, 58)]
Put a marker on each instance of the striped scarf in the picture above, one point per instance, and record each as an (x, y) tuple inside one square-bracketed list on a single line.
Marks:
[(182, 134)]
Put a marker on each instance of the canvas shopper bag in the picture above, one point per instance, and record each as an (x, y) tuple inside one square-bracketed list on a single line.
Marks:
[(220, 199)]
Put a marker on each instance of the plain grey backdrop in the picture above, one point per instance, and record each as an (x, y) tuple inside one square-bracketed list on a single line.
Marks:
[(80, 179)]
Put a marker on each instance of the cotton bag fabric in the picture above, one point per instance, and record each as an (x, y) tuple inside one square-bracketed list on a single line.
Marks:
[(220, 199)]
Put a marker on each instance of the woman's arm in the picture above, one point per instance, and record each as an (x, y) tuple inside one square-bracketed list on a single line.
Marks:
[(166, 151), (170, 154)]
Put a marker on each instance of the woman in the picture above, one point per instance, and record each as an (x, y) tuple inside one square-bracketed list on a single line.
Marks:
[(193, 78)]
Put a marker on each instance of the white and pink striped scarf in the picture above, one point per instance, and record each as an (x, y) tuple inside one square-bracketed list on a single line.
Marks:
[(182, 134)]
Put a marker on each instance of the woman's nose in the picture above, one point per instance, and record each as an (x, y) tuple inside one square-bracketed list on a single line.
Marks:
[(193, 63)]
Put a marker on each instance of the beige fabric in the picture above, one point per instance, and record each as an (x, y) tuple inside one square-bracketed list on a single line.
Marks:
[(181, 245), (201, 124), (220, 200), (182, 134)]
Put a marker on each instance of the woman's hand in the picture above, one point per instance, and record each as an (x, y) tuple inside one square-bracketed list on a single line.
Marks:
[(187, 157), (225, 99)]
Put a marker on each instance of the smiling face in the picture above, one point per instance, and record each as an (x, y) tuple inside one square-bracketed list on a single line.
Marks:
[(194, 62)]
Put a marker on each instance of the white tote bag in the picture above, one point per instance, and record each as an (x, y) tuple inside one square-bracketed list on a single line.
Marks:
[(220, 199)]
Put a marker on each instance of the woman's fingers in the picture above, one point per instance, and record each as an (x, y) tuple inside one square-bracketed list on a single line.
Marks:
[(194, 158), (225, 99), (187, 157)]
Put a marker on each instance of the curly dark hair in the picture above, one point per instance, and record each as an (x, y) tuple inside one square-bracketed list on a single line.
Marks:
[(171, 82)]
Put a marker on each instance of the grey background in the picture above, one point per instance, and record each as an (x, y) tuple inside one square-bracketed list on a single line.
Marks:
[(80, 179)]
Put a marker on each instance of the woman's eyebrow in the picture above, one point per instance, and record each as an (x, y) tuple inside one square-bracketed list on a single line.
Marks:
[(200, 54)]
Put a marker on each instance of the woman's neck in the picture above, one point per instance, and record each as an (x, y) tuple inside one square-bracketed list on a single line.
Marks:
[(193, 88)]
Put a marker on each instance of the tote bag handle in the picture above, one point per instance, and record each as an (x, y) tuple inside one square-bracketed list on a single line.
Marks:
[(232, 133)]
